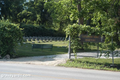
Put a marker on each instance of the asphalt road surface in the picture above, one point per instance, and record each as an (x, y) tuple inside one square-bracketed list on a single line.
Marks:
[(10, 71)]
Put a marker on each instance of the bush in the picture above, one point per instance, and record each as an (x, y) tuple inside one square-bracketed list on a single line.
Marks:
[(10, 36), (31, 30)]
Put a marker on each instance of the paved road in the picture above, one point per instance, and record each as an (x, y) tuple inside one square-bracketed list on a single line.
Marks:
[(9, 71)]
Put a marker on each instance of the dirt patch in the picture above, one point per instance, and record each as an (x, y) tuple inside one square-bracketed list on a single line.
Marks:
[(51, 60)]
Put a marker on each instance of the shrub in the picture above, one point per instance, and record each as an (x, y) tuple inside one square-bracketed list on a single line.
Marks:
[(10, 36), (31, 30)]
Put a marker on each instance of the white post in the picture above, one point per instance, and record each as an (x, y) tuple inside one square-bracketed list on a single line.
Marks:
[(69, 48), (98, 50)]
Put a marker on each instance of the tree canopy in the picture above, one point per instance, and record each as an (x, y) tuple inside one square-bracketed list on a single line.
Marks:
[(103, 15)]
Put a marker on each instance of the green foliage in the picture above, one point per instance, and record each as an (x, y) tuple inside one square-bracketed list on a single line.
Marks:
[(10, 9), (10, 36), (35, 13), (104, 20), (102, 16), (110, 47), (32, 30), (61, 13), (75, 30)]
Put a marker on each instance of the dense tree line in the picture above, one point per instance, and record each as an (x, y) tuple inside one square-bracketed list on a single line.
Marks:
[(55, 17), (58, 14)]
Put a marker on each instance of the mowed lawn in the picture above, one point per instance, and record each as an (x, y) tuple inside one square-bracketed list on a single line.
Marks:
[(94, 63), (25, 50), (59, 47)]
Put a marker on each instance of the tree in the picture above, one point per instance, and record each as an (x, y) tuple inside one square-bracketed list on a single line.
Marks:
[(11, 8), (104, 20), (35, 13), (100, 13), (10, 36), (59, 12)]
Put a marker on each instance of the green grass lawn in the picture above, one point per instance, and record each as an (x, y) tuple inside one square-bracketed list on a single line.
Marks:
[(92, 63), (59, 47)]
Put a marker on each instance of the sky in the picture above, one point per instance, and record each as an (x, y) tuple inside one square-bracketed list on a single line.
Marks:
[(29, 0)]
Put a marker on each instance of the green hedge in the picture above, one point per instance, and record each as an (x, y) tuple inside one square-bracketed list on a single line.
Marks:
[(10, 36), (31, 30)]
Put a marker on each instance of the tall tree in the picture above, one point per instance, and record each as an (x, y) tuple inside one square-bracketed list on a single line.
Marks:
[(35, 13), (11, 8), (102, 14), (59, 12)]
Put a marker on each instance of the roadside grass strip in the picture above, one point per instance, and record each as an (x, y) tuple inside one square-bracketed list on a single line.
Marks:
[(93, 63)]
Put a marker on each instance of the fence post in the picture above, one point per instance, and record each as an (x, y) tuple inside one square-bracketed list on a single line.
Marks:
[(112, 53), (97, 49), (69, 48)]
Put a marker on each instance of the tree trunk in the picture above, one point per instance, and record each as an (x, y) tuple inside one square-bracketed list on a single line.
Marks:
[(80, 20)]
